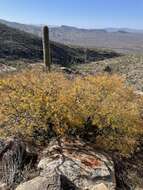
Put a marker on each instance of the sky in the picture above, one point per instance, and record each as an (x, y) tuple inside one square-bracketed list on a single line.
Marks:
[(79, 13)]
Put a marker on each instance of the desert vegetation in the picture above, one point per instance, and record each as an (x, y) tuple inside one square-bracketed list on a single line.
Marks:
[(46, 48), (39, 105)]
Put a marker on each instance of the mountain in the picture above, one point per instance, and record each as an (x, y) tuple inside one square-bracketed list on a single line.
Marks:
[(18, 45), (123, 40), (24, 27)]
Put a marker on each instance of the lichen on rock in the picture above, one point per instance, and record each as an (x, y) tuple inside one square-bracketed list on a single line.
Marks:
[(72, 165)]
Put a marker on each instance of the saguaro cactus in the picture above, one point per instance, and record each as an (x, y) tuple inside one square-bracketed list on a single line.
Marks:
[(46, 48)]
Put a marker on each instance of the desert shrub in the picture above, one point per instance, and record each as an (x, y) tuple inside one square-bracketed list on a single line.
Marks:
[(38, 105)]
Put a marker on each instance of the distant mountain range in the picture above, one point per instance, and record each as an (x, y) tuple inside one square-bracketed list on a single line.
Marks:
[(128, 30), (37, 28), (122, 40)]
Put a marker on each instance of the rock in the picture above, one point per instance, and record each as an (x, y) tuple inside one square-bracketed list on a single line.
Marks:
[(42, 183), (70, 71), (108, 69), (74, 165), (138, 92), (5, 68), (129, 171), (3, 186), (14, 158), (100, 187)]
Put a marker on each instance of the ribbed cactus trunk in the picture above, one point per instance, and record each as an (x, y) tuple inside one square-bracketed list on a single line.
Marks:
[(46, 48)]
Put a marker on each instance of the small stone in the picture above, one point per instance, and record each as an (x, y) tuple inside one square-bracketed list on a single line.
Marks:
[(101, 186), (3, 186)]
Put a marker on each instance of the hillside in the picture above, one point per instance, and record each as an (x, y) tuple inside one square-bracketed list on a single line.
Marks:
[(88, 109), (15, 44), (128, 66), (122, 40), (20, 48), (19, 45)]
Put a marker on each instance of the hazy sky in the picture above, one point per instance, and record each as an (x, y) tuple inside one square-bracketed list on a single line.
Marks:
[(80, 13)]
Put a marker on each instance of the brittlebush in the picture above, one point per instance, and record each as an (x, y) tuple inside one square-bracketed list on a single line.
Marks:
[(34, 104)]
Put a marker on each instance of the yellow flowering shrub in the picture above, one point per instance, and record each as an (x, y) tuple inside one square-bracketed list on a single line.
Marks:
[(38, 105)]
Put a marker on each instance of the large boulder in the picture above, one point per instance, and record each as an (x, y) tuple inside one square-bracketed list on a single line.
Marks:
[(72, 165)]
